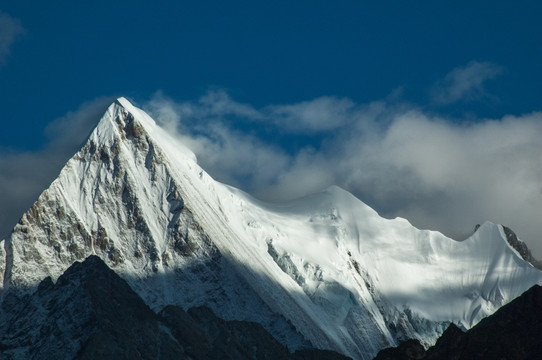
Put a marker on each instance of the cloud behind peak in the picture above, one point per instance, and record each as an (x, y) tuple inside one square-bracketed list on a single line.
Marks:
[(465, 83), (434, 171)]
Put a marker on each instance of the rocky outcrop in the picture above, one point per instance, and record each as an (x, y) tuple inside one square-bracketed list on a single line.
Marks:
[(521, 247)]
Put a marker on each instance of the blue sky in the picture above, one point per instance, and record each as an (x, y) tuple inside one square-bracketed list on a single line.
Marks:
[(310, 92), (262, 53)]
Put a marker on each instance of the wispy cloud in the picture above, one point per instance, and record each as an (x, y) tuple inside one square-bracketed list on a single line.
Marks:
[(68, 132), (400, 160), (321, 114), (23, 176), (465, 83), (309, 117), (10, 29), (212, 131)]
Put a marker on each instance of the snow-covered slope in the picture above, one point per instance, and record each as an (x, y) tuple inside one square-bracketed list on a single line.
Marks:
[(326, 266)]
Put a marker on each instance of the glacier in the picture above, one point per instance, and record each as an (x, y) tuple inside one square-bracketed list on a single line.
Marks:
[(324, 270)]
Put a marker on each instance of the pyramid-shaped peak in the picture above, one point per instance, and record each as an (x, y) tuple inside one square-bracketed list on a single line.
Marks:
[(124, 121), (125, 104), (128, 112)]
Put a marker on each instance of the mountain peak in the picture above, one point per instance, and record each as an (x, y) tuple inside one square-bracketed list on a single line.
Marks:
[(122, 101), (325, 269), (138, 114), (121, 116)]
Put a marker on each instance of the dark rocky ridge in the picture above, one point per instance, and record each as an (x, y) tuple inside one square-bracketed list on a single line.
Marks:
[(91, 313), (521, 247), (513, 332)]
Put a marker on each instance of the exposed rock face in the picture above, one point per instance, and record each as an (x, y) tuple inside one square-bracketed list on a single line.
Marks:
[(521, 247), (513, 332), (91, 313)]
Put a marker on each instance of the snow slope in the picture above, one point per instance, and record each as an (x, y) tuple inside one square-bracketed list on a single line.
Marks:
[(326, 266)]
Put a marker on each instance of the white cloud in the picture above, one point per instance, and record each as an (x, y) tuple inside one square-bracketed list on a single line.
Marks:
[(448, 177), (438, 174), (465, 83), (403, 162), (10, 29), (23, 176), (309, 117), (218, 103), (70, 131), (236, 157), (321, 114)]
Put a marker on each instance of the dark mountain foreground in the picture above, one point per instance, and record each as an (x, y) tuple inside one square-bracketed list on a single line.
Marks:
[(91, 313), (513, 332)]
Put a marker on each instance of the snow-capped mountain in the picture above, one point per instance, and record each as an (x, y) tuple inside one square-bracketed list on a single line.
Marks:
[(325, 269)]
